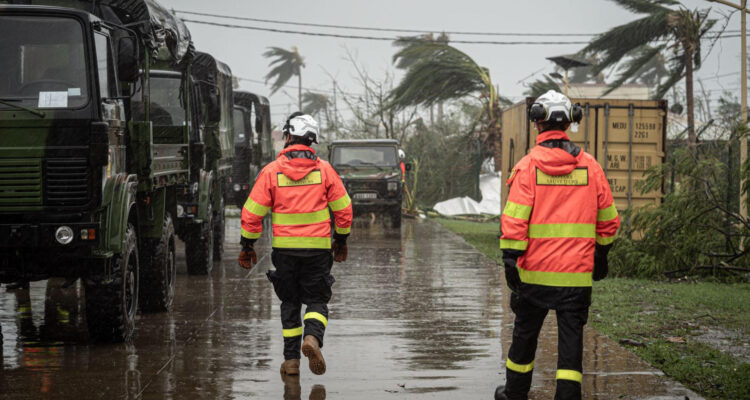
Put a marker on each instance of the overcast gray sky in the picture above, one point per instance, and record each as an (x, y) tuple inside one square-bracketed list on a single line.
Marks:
[(509, 64)]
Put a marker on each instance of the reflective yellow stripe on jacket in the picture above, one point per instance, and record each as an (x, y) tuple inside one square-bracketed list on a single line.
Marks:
[(301, 242), (301, 218), (516, 210), (341, 203)]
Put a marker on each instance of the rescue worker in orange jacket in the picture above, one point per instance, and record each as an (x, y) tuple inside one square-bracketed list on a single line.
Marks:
[(402, 165), (557, 227), (299, 188)]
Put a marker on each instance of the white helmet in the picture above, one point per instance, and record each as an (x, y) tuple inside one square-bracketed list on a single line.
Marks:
[(401, 154), (554, 106), (302, 125)]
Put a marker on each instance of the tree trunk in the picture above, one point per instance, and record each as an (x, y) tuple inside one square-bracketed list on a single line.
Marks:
[(440, 112), (299, 90), (690, 100)]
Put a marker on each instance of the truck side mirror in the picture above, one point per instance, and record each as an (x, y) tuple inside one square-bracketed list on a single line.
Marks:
[(128, 59), (407, 166)]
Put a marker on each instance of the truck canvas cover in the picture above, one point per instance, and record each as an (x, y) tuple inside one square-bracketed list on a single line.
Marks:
[(160, 29)]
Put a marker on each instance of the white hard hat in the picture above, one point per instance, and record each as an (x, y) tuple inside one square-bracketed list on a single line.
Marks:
[(554, 106), (303, 126), (401, 154)]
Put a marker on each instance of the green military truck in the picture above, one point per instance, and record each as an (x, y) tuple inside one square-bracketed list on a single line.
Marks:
[(252, 142), (200, 209), (91, 154), (371, 173)]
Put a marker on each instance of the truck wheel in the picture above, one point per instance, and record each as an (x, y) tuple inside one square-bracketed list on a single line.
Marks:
[(158, 270), (111, 306), (199, 246), (396, 217), (219, 223)]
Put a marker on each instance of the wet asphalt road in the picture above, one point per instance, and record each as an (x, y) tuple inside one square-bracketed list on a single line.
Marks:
[(416, 314)]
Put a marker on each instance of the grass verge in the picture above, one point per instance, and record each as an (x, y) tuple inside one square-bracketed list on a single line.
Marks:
[(697, 333)]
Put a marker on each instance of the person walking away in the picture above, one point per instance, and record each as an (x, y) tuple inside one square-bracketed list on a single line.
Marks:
[(557, 227), (299, 188)]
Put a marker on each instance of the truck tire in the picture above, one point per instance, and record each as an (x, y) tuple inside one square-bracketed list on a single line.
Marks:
[(219, 223), (199, 246), (395, 215), (111, 306), (158, 271)]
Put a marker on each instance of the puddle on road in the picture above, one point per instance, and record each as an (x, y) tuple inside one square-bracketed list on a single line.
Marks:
[(416, 313)]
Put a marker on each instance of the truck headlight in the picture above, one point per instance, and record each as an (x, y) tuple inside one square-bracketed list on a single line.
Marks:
[(64, 235), (237, 187), (392, 186)]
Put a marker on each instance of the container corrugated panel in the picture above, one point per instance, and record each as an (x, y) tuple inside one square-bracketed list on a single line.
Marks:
[(610, 133)]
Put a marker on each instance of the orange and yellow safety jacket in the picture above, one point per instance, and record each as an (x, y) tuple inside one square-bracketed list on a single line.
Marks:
[(298, 188), (559, 207)]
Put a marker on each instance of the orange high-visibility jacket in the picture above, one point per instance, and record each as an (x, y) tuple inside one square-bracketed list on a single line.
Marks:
[(559, 206), (298, 191)]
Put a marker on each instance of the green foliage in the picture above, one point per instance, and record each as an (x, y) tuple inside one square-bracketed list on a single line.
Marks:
[(448, 162), (697, 229), (437, 72), (679, 30)]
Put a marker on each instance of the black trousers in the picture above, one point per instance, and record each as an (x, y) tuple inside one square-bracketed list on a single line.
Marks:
[(520, 363), (302, 278)]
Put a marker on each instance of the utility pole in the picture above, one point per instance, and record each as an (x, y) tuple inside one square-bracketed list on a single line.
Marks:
[(335, 111), (742, 7)]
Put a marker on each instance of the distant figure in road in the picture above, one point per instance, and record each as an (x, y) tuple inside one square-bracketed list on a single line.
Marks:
[(557, 227), (402, 165), (299, 188)]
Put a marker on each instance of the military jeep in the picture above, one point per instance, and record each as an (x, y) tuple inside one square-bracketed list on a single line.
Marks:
[(372, 175)]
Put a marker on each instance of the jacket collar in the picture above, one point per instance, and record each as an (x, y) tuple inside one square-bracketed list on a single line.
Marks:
[(548, 135)]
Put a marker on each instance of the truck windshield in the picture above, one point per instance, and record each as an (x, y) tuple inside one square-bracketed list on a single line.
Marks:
[(43, 62), (362, 155), (166, 106), (240, 129)]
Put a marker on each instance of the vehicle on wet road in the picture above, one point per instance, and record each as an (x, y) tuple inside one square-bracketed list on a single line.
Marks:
[(372, 176), (95, 148), (252, 143)]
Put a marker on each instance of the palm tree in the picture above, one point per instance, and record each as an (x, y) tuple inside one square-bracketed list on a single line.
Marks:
[(315, 103), (678, 30), (541, 86), (286, 63), (407, 60), (437, 72)]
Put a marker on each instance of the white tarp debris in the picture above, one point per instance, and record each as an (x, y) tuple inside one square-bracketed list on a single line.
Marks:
[(489, 185)]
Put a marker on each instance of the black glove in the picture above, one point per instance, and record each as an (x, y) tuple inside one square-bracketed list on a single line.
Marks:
[(339, 247), (601, 264), (247, 258), (510, 259), (340, 250)]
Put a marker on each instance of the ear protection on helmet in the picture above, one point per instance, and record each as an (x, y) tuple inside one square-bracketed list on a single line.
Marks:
[(576, 113), (539, 113)]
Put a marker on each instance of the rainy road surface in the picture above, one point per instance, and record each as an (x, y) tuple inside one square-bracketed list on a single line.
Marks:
[(419, 314)]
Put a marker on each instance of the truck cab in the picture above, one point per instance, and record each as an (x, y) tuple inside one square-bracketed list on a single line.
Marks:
[(87, 173), (371, 172)]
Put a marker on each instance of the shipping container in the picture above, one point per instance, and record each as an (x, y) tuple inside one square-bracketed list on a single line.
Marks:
[(626, 136)]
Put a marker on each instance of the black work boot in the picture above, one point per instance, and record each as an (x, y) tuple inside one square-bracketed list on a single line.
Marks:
[(500, 393)]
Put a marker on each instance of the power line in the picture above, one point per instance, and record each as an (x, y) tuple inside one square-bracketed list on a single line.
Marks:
[(391, 39), (361, 28), (395, 30), (381, 38)]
